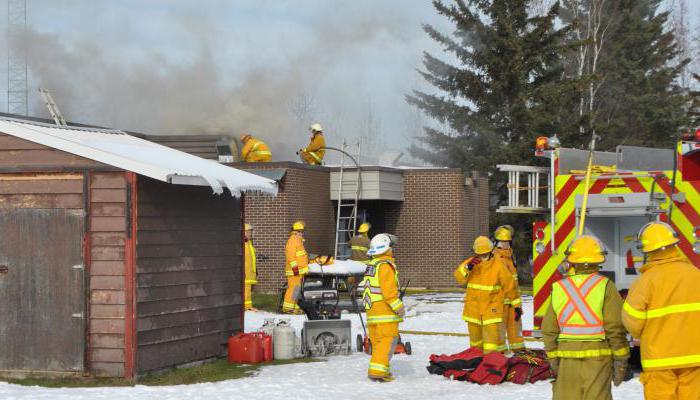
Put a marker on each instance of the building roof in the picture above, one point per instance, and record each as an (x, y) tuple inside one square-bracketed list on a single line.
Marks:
[(124, 151)]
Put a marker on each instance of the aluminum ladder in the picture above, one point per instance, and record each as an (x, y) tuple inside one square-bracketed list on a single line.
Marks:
[(346, 213), (53, 108)]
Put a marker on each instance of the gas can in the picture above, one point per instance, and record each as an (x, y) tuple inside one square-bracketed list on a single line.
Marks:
[(268, 350), (246, 348), (284, 341)]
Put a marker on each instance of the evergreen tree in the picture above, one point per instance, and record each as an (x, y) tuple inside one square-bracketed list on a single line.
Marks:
[(502, 91)]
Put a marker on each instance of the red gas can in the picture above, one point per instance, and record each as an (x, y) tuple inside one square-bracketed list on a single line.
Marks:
[(267, 347), (246, 348)]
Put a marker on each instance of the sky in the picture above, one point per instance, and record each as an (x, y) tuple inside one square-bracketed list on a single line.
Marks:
[(270, 68), (225, 67)]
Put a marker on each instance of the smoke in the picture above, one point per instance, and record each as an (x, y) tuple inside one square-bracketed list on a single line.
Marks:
[(327, 74)]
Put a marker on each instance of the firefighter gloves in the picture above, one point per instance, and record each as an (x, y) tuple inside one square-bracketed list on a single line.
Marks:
[(619, 371)]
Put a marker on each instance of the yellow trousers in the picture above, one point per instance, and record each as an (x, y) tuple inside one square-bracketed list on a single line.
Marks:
[(383, 338), (514, 329), (672, 384), (488, 338), (583, 379), (308, 158), (292, 294), (248, 296)]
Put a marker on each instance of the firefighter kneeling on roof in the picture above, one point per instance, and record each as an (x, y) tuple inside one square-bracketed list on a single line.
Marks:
[(582, 328), (489, 285), (380, 296), (662, 309)]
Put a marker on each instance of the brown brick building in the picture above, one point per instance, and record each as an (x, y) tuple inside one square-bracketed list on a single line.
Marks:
[(436, 214)]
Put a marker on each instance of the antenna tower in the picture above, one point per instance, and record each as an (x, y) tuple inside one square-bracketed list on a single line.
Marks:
[(16, 58)]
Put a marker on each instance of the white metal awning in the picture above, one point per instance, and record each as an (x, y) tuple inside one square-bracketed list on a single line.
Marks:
[(118, 149)]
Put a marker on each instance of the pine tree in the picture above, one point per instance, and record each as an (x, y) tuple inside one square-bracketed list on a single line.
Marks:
[(500, 94)]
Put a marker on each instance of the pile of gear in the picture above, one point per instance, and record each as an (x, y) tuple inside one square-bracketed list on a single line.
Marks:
[(472, 365)]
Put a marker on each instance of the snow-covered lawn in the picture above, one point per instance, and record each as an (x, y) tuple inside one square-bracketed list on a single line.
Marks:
[(341, 377)]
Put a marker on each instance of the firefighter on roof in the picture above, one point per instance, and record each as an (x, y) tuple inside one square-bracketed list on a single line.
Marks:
[(489, 284), (296, 267), (313, 153), (380, 296), (512, 310), (254, 150), (662, 309), (582, 328), (251, 273)]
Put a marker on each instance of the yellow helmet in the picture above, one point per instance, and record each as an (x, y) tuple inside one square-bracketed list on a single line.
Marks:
[(482, 245), (586, 249), (364, 228), (298, 226), (504, 233), (245, 136), (247, 227), (316, 128), (656, 235)]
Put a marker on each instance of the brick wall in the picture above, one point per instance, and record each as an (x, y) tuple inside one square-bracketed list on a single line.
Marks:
[(304, 194)]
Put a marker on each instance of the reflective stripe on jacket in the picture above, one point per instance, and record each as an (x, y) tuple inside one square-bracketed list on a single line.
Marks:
[(578, 303), (251, 272), (380, 291), (662, 309), (297, 258)]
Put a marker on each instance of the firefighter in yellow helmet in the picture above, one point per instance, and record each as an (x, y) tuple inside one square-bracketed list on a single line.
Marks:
[(380, 296), (512, 309), (251, 273), (489, 285), (583, 334), (296, 267), (254, 150), (662, 309), (313, 153)]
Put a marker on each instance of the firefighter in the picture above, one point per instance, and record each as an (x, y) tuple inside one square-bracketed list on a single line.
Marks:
[(582, 329), (488, 285), (512, 309), (254, 150), (296, 267), (359, 244), (662, 309), (314, 152), (380, 296), (251, 272)]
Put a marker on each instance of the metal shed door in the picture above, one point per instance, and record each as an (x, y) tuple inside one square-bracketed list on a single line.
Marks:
[(42, 290)]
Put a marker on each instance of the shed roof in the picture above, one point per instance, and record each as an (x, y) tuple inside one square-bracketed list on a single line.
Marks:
[(121, 150)]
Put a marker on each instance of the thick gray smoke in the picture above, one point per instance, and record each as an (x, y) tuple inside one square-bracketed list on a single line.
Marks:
[(333, 79)]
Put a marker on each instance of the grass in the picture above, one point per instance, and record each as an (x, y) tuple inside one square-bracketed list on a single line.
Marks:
[(216, 371), (265, 302)]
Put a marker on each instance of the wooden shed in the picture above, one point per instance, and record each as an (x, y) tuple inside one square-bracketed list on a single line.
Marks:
[(118, 256)]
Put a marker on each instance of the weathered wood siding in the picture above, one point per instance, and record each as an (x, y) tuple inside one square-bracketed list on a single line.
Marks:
[(188, 265), (20, 154), (108, 275)]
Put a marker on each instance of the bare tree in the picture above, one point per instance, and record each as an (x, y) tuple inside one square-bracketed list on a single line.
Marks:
[(589, 28), (680, 26)]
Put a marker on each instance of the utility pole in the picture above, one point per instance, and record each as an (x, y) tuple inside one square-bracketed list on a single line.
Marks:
[(16, 58)]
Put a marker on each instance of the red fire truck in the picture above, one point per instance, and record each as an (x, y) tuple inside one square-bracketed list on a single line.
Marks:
[(628, 188)]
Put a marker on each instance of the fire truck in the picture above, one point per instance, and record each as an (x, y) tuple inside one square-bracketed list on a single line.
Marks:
[(627, 189)]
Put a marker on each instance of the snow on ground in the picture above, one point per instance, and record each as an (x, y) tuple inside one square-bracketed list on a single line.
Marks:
[(341, 377)]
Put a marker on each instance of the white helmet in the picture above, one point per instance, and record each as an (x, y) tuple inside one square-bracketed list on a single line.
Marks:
[(316, 128), (380, 244)]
